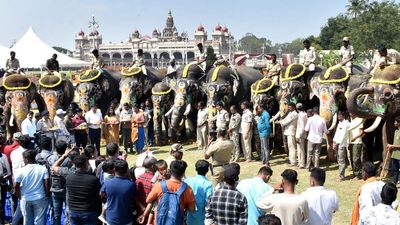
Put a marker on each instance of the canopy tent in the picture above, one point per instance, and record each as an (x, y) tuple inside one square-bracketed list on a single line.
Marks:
[(32, 52), (4, 54)]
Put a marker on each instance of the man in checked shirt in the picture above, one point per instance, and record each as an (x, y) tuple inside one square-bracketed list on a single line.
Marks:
[(227, 206)]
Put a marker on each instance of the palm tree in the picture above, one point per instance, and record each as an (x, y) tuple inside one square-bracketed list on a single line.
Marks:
[(356, 7)]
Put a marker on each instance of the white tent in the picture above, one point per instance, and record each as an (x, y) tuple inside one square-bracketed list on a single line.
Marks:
[(32, 52), (4, 54)]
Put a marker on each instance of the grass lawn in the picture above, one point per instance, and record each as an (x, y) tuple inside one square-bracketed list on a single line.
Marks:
[(346, 189)]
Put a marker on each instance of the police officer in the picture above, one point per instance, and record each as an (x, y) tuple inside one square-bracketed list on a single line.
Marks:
[(234, 125)]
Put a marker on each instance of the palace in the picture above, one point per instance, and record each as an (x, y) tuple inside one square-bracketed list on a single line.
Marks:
[(158, 49)]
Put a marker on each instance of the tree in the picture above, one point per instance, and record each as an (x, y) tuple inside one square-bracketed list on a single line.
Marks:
[(252, 44), (333, 32), (356, 7)]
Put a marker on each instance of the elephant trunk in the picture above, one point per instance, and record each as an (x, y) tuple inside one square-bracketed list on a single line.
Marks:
[(376, 123), (354, 106), (51, 100)]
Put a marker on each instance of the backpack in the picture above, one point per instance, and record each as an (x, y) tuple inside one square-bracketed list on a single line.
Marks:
[(168, 210)]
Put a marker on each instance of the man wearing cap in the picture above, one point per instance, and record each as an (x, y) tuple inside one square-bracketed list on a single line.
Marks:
[(97, 61), (347, 54), (220, 151), (28, 127), (289, 123), (386, 57), (172, 66), (301, 135), (316, 128), (176, 153), (308, 56), (44, 124), (61, 129)]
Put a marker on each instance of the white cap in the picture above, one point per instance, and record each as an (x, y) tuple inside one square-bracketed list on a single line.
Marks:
[(346, 39), (60, 112)]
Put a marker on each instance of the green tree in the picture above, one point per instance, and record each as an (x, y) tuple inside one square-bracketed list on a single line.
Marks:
[(356, 7), (252, 44), (333, 32)]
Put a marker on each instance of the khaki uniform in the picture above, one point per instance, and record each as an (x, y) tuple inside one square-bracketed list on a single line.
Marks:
[(245, 129), (234, 124), (12, 64), (97, 63), (273, 70), (393, 57), (308, 56), (220, 152), (222, 119), (346, 54)]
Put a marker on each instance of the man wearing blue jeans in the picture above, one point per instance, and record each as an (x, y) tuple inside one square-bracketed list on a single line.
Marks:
[(264, 130), (32, 187), (83, 194)]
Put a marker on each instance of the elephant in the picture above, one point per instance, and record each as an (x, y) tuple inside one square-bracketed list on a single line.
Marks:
[(185, 83), (98, 87), (19, 93), (135, 86), (56, 92), (384, 90), (229, 85), (163, 100)]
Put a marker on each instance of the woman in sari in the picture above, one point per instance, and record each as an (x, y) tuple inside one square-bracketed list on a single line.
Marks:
[(138, 136), (111, 122)]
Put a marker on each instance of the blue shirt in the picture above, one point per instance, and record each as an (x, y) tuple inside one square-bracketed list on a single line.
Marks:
[(202, 189), (263, 125), (120, 193), (31, 177), (253, 189)]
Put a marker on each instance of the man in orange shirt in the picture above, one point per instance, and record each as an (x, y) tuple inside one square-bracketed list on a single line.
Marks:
[(187, 200)]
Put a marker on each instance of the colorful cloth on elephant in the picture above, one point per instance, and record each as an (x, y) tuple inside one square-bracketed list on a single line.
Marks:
[(112, 129), (396, 141)]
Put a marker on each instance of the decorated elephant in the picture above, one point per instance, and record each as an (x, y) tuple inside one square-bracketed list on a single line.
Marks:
[(163, 100), (135, 86), (383, 89), (56, 92), (185, 83), (98, 87), (20, 92)]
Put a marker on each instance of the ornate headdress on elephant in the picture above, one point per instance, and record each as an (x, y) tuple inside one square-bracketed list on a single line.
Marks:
[(264, 92), (55, 91), (98, 87), (185, 83), (163, 100), (20, 92), (134, 85)]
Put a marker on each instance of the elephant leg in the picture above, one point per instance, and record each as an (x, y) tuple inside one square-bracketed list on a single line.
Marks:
[(387, 138), (331, 156)]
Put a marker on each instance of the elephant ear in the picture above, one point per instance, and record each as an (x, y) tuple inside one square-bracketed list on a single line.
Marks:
[(68, 89)]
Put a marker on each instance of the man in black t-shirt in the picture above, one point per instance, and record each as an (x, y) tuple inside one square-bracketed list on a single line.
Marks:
[(52, 64), (83, 194)]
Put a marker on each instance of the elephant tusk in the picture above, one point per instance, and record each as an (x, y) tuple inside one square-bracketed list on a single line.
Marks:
[(334, 122), (182, 122), (188, 109), (357, 125), (374, 125), (11, 121)]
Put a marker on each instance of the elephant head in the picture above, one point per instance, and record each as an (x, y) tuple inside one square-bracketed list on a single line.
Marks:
[(263, 93), (187, 92), (97, 87), (163, 99), (330, 89), (19, 93), (380, 98), (56, 92)]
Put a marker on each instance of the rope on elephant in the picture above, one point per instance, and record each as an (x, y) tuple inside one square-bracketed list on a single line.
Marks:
[(215, 72), (290, 69), (334, 70), (387, 75)]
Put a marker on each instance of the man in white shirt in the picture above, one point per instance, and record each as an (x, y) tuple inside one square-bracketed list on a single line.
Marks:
[(291, 208), (383, 213), (200, 56), (322, 203), (61, 130), (386, 57), (355, 144), (316, 128), (347, 54), (246, 129), (172, 66), (125, 117), (301, 135), (17, 161), (222, 117), (308, 56), (202, 114), (28, 126), (340, 140), (289, 130), (94, 118)]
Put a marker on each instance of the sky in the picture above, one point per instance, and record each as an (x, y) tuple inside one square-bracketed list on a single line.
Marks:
[(58, 21)]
